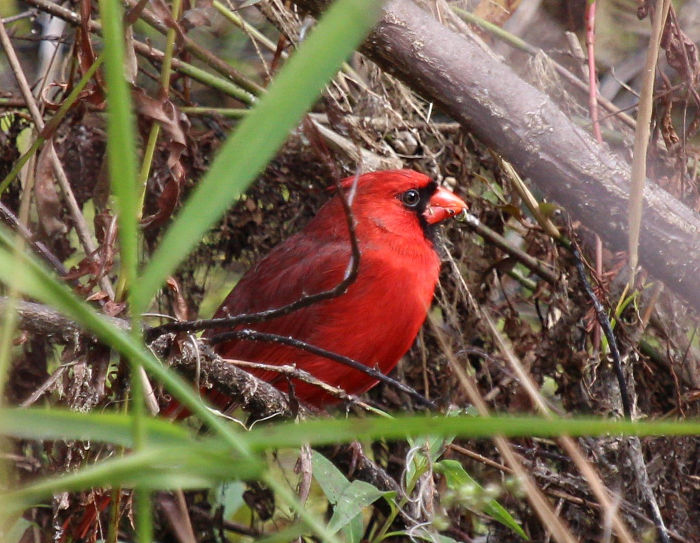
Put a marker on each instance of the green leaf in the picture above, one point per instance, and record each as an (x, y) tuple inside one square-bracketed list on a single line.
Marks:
[(112, 428), (15, 533), (116, 428), (354, 498), (331, 431), (32, 279), (329, 478), (189, 465), (121, 148), (348, 498), (457, 477), (548, 209), (260, 134), (230, 496), (427, 451)]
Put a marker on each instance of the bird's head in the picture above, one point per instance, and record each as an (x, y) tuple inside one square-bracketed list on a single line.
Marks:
[(396, 199)]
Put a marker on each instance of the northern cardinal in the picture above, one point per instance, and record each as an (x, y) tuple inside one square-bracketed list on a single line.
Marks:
[(377, 319)]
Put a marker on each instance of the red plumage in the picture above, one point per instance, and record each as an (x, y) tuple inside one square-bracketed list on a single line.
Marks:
[(377, 319)]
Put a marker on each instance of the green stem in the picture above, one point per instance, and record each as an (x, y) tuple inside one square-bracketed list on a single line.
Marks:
[(229, 112), (155, 127)]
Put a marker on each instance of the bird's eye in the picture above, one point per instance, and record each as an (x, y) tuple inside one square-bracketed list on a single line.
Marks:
[(411, 198)]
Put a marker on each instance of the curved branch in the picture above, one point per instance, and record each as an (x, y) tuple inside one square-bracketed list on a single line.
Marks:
[(303, 301)]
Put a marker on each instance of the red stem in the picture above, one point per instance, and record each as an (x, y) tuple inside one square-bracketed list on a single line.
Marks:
[(592, 80)]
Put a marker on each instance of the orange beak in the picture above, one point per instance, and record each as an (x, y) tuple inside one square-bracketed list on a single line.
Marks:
[(443, 205)]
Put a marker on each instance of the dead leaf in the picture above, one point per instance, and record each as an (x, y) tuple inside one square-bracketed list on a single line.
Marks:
[(681, 52), (131, 64), (496, 11), (195, 18), (48, 203), (180, 306), (167, 115)]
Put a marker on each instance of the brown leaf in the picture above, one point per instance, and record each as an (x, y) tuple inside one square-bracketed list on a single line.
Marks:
[(303, 467), (194, 18), (681, 52), (113, 309), (131, 63), (181, 310), (166, 114), (496, 11), (86, 56), (668, 131), (86, 266), (162, 10), (48, 203), (512, 210)]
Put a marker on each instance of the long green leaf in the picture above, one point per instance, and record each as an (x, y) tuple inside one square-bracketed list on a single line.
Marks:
[(457, 477), (32, 279), (113, 428), (121, 148), (260, 134), (325, 431), (188, 465), (52, 424)]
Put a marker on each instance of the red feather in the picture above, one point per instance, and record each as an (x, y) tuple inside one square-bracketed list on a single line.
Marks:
[(377, 319)]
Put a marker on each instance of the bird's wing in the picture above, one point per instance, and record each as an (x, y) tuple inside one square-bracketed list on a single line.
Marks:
[(304, 264)]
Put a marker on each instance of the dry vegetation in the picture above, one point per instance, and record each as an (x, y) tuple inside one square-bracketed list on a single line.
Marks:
[(551, 326)]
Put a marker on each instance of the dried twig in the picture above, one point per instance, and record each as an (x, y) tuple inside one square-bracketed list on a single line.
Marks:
[(592, 79), (9, 218), (532, 263), (641, 136), (75, 211), (604, 322), (584, 467), (252, 335)]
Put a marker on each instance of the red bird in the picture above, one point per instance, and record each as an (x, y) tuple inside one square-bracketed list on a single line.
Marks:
[(377, 319)]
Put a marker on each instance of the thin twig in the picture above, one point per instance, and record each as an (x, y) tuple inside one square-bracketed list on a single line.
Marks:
[(518, 43), (592, 79), (200, 52), (147, 50), (607, 330), (292, 372), (539, 503), (76, 214), (9, 218), (253, 335), (304, 301), (532, 263), (569, 445)]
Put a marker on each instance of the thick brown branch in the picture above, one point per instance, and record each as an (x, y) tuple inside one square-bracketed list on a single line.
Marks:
[(530, 130)]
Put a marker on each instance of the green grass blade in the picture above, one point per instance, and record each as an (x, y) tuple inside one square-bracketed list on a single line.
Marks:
[(458, 477), (116, 428), (260, 134), (33, 280), (324, 432), (121, 154), (162, 467)]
